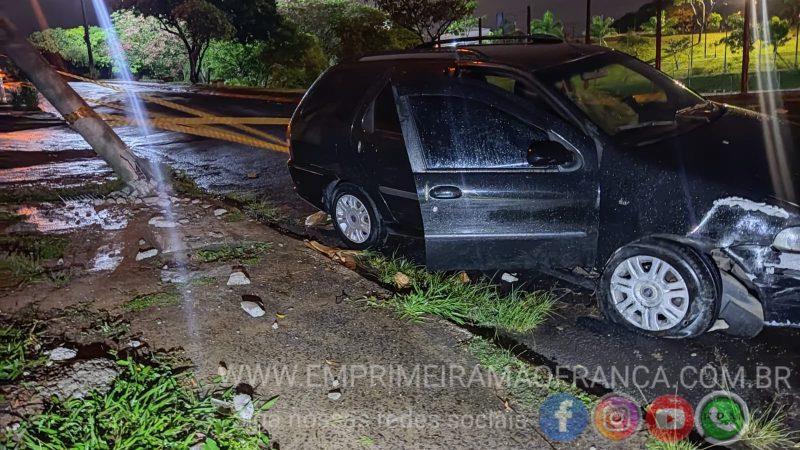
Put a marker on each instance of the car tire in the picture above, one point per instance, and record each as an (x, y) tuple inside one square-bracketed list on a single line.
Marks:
[(356, 219), (660, 288)]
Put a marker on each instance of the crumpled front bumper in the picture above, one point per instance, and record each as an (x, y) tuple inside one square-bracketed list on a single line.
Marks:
[(774, 277)]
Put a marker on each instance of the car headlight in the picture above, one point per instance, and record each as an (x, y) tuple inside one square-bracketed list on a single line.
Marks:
[(788, 240)]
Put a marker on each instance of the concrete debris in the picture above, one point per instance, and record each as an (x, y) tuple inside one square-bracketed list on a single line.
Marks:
[(61, 354), (318, 219), (81, 378), (275, 324), (244, 407), (253, 309), (335, 394), (222, 369), (401, 280), (219, 212), (463, 278), (509, 278), (146, 254), (134, 344), (162, 222), (238, 278)]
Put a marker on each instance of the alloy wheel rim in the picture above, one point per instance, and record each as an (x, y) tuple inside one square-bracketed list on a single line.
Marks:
[(352, 218), (649, 293)]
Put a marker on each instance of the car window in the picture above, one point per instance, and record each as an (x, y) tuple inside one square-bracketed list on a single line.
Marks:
[(386, 118), (459, 133), (508, 83)]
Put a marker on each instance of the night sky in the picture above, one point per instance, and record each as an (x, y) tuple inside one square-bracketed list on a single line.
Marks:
[(66, 13)]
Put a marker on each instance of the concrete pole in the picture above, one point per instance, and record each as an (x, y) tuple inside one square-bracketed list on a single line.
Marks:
[(528, 22), (76, 112)]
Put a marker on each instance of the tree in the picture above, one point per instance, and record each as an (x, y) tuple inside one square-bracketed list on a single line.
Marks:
[(427, 19), (194, 22), (701, 10), (346, 29), (151, 51), (254, 20), (779, 30), (735, 37), (634, 44), (601, 27), (668, 25), (548, 25), (791, 11), (714, 22), (678, 46)]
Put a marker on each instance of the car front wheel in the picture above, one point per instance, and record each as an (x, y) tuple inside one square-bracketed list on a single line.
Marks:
[(660, 288), (358, 223)]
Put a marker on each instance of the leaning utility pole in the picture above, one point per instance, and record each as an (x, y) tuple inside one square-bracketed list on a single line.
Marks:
[(86, 38), (76, 112)]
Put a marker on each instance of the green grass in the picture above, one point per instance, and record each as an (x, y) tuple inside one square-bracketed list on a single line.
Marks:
[(655, 444), (185, 185), (147, 407), (38, 194), (706, 68), (446, 296), (145, 301), (257, 209), (234, 215), (528, 385), (767, 430), (17, 352), (243, 253), (23, 257)]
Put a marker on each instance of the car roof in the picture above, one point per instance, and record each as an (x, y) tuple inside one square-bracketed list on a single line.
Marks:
[(528, 56)]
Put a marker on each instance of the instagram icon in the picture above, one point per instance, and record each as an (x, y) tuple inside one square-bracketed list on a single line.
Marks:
[(617, 417)]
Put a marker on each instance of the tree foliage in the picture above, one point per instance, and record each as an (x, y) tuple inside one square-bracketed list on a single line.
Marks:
[(194, 22), (427, 19), (669, 25), (735, 38), (548, 25), (601, 27), (346, 29), (779, 32), (254, 20)]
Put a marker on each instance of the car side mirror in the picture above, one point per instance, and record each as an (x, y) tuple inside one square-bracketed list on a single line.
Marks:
[(549, 154)]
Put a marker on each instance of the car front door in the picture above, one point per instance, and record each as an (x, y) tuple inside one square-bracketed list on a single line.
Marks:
[(502, 182)]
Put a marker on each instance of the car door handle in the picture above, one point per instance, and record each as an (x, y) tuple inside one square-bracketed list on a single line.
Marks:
[(445, 192)]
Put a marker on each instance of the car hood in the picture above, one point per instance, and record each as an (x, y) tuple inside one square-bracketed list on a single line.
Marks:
[(731, 181)]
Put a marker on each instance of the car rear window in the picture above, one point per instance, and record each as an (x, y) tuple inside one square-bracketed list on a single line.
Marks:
[(459, 133)]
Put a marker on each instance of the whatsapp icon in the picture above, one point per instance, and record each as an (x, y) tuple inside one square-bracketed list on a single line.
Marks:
[(721, 417)]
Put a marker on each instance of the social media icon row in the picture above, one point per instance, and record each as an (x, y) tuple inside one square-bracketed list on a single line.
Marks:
[(720, 418)]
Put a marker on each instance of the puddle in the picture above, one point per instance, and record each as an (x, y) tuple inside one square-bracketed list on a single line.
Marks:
[(48, 217), (108, 258), (91, 168)]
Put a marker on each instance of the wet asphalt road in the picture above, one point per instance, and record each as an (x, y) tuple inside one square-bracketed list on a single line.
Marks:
[(576, 341)]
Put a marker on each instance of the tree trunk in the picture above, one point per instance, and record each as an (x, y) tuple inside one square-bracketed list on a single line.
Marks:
[(194, 70), (76, 112), (87, 39), (796, 43), (659, 32)]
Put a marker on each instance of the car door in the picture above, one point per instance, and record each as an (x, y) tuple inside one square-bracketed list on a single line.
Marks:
[(501, 182), (380, 140)]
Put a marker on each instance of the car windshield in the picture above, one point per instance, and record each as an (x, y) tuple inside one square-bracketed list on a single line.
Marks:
[(624, 96)]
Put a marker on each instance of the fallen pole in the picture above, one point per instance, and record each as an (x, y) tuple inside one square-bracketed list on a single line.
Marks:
[(77, 113)]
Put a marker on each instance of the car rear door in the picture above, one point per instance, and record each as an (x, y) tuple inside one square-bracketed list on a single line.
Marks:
[(502, 182)]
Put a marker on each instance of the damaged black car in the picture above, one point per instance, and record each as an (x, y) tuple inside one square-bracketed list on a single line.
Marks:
[(573, 159)]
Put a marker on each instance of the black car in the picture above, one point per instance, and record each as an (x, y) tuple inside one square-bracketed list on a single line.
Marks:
[(570, 158)]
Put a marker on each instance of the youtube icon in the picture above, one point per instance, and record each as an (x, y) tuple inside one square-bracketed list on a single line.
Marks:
[(670, 418)]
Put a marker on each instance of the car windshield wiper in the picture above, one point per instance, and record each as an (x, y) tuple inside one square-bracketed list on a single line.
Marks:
[(651, 124)]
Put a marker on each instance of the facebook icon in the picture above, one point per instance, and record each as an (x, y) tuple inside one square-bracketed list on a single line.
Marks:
[(563, 417)]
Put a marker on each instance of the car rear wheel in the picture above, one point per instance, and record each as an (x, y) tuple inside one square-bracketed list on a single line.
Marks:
[(660, 288), (358, 223)]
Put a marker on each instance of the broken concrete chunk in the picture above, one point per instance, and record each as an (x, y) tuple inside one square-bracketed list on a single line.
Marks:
[(61, 354), (275, 324), (318, 219), (81, 378), (146, 254), (162, 222), (253, 309), (335, 394), (463, 277), (219, 212), (509, 278), (244, 407), (401, 280), (238, 278)]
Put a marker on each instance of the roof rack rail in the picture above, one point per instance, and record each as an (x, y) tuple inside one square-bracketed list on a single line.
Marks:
[(528, 39)]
